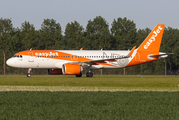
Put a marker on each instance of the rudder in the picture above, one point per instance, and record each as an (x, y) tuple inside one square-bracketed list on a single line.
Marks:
[(153, 40)]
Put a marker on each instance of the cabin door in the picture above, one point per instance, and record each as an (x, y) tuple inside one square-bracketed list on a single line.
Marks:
[(30, 57)]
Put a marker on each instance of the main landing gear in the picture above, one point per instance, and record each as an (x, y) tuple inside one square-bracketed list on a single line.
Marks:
[(89, 74), (79, 75), (28, 73)]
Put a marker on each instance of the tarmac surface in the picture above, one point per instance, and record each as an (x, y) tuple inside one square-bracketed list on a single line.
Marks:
[(101, 77)]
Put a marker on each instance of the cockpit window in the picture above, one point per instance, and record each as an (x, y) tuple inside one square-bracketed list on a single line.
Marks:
[(18, 56)]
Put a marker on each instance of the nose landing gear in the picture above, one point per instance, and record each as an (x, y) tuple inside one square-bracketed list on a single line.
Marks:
[(28, 73)]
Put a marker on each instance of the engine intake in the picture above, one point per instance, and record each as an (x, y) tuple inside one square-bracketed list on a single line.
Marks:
[(71, 69)]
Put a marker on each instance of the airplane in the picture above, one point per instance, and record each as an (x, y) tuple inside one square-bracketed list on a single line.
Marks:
[(73, 62)]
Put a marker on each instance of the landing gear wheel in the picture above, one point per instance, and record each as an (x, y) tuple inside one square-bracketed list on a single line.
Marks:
[(89, 74), (79, 75), (28, 75)]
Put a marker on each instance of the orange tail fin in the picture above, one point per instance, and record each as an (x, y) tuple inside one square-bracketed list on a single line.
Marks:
[(153, 40)]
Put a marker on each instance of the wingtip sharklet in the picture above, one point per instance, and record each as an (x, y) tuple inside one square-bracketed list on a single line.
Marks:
[(131, 52)]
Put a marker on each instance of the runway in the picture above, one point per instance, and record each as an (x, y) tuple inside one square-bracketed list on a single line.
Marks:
[(98, 77)]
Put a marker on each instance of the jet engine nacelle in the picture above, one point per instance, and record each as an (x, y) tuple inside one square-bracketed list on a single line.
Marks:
[(54, 71), (71, 69)]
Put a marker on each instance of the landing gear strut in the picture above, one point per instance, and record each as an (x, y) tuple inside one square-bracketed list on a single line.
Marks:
[(79, 75), (28, 73), (89, 74)]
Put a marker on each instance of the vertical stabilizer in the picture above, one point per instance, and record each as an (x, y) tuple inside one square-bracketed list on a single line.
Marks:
[(153, 40)]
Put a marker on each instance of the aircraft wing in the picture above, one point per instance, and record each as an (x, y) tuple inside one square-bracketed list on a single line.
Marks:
[(87, 64), (103, 60)]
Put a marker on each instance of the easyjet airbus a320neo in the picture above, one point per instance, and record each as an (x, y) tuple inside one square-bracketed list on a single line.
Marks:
[(73, 62)]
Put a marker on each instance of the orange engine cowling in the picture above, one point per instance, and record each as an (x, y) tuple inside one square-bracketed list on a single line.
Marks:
[(54, 71), (71, 69)]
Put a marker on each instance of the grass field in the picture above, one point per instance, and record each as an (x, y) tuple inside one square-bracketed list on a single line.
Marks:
[(98, 83), (68, 97), (89, 105)]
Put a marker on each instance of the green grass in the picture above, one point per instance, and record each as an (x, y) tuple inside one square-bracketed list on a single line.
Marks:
[(158, 84), (73, 76), (89, 105), (30, 98)]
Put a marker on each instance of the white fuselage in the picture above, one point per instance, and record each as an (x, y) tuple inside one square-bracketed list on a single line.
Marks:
[(40, 60)]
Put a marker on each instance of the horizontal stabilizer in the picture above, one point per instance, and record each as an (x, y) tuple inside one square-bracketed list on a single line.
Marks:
[(161, 55)]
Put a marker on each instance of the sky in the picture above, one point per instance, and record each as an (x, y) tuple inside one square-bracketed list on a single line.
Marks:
[(144, 13)]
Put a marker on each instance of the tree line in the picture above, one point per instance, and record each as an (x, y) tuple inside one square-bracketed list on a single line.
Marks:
[(122, 35)]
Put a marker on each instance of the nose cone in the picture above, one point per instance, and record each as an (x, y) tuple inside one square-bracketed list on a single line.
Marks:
[(9, 62)]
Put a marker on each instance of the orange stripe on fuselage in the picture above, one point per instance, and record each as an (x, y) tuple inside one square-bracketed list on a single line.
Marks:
[(52, 54)]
